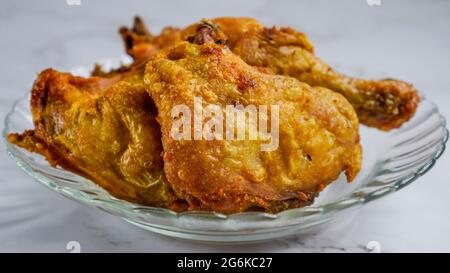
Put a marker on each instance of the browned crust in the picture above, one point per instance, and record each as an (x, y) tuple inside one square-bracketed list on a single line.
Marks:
[(397, 100)]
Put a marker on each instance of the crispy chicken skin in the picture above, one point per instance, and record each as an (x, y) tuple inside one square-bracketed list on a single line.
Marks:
[(103, 129), (318, 133), (384, 104)]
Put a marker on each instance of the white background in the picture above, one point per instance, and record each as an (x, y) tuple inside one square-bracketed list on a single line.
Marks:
[(409, 40)]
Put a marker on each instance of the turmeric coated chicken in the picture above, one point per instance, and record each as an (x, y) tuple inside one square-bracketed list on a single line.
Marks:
[(384, 104), (103, 129), (318, 132), (117, 127)]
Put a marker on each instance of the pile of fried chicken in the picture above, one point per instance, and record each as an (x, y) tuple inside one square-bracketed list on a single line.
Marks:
[(114, 127)]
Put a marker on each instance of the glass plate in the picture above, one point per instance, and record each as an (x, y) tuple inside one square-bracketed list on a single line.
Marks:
[(390, 162)]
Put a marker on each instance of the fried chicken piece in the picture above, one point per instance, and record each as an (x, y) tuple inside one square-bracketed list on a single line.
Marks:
[(318, 133), (384, 104), (140, 44), (103, 129)]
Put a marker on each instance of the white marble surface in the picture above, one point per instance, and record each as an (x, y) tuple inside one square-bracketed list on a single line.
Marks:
[(403, 39)]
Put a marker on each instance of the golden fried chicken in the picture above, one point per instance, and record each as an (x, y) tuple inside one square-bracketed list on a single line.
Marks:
[(103, 129), (318, 132), (384, 104)]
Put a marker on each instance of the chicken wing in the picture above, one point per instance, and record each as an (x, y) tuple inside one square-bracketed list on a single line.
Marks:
[(318, 133), (384, 104), (103, 129)]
